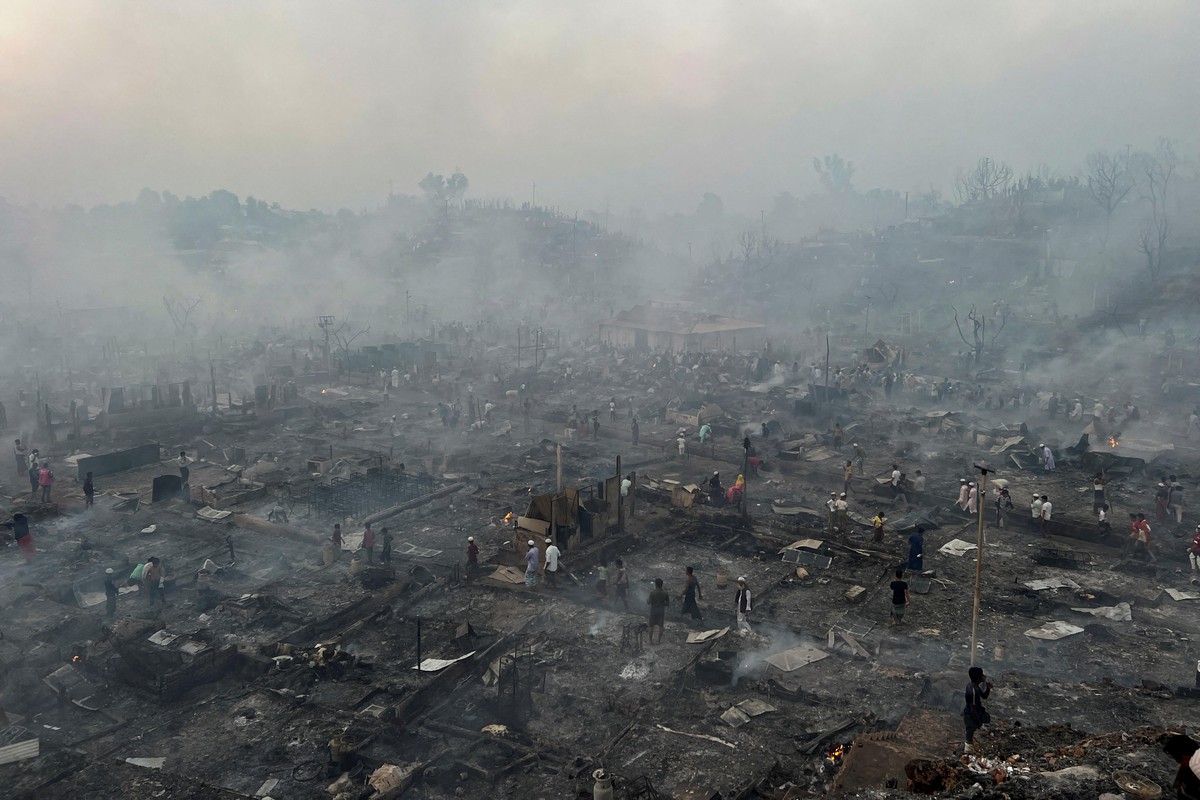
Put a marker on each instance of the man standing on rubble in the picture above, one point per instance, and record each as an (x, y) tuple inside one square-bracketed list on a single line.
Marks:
[(831, 504), (975, 716), (900, 597), (45, 480), (532, 559), (368, 542), (843, 513), (847, 475), (385, 554), (972, 498), (681, 446), (153, 580), (743, 606), (877, 523), (473, 558), (550, 570), (337, 540), (1194, 553), (705, 432), (21, 457), (963, 492), (634, 431), (860, 456), (1047, 510), (1047, 457), (1035, 512), (658, 600), (1175, 499), (595, 425), (916, 551), (89, 491), (690, 594)]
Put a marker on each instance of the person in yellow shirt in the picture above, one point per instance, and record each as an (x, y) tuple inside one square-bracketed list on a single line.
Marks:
[(877, 523)]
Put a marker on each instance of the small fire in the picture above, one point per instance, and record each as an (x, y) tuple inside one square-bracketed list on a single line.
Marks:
[(75, 659), (324, 391), (508, 518), (1112, 441), (836, 754)]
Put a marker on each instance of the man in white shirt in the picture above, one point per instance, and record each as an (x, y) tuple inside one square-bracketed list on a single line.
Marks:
[(1047, 508), (1035, 512), (550, 569), (831, 504), (919, 482)]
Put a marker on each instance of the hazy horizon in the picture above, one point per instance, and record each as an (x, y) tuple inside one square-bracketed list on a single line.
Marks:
[(621, 104)]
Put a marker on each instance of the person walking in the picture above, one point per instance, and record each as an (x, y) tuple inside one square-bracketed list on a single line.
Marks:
[(975, 716), (89, 491), (550, 570), (621, 584), (899, 597), (743, 606), (658, 601), (690, 594), (1194, 553)]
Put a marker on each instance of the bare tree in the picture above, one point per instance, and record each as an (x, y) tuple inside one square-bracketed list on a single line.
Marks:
[(748, 241), (1109, 180), (987, 179), (979, 341), (1152, 243), (180, 310), (1156, 170), (344, 338)]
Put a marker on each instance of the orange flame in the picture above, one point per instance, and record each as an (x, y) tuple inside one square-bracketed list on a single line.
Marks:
[(836, 754), (1112, 441), (75, 659), (508, 518)]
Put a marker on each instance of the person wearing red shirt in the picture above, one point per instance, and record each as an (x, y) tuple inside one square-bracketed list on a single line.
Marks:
[(1194, 551)]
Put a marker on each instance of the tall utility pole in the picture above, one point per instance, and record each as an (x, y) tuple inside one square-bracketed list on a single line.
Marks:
[(983, 472), (325, 323)]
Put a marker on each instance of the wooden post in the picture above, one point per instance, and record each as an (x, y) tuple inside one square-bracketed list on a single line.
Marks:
[(978, 562), (620, 500)]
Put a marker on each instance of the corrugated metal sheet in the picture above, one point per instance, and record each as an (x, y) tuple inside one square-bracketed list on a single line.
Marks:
[(20, 751)]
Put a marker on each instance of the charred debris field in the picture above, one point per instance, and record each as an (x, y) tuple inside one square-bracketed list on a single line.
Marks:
[(198, 628)]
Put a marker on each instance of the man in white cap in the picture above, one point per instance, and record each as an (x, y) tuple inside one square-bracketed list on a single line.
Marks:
[(742, 605), (1047, 457), (972, 498), (550, 568), (532, 559), (963, 492), (842, 508), (472, 558), (110, 594)]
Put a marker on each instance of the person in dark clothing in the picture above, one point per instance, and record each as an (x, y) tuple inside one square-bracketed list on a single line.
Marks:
[(89, 491), (19, 525), (385, 555), (975, 716), (472, 559), (899, 597), (690, 594), (916, 550), (634, 432), (33, 480), (1183, 751), (658, 601), (110, 592)]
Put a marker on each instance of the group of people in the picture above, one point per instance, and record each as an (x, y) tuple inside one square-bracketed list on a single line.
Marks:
[(337, 541), (36, 468)]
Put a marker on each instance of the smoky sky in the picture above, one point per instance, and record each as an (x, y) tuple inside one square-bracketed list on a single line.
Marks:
[(630, 104)]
